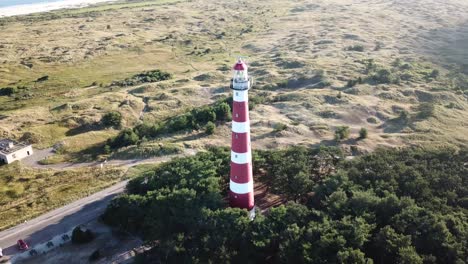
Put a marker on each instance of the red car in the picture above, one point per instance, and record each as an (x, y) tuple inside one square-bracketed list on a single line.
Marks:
[(22, 245)]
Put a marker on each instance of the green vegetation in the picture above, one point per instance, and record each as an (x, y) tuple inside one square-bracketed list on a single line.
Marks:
[(342, 133), (278, 127), (426, 110), (363, 133), (80, 236), (357, 47), (112, 119), (210, 128), (144, 77), (7, 91), (392, 206), (195, 119)]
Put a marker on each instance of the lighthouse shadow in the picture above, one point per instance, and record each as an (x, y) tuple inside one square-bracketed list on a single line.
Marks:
[(264, 199)]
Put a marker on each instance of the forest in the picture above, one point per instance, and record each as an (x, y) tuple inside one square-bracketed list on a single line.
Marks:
[(391, 206)]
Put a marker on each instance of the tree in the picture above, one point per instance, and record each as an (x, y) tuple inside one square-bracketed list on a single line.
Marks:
[(363, 133), (390, 206), (223, 112), (112, 119), (210, 128), (125, 138), (80, 236)]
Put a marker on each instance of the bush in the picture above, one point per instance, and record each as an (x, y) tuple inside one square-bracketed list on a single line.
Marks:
[(81, 237), (342, 133), (125, 138), (358, 47), (144, 77), (363, 133), (280, 127), (210, 128), (7, 91), (426, 110), (112, 119), (383, 76)]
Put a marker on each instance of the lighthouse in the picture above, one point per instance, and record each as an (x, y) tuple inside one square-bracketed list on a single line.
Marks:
[(241, 191)]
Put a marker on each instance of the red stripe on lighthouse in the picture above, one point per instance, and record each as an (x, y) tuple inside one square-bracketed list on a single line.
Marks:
[(241, 173), (242, 200), (240, 111), (240, 142)]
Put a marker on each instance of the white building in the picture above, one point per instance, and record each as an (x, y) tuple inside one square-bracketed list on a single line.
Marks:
[(11, 150)]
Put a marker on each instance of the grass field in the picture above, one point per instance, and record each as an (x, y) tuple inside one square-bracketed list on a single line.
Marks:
[(26, 193)]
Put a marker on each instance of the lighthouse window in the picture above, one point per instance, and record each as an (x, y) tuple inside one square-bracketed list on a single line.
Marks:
[(237, 94), (237, 115), (237, 136), (235, 156)]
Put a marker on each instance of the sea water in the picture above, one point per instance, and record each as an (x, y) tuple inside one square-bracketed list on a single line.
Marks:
[(5, 3)]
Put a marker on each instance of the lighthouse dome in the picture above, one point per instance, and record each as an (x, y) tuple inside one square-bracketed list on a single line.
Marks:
[(240, 66)]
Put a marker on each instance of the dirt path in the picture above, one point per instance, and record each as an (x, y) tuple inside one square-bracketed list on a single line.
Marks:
[(33, 160)]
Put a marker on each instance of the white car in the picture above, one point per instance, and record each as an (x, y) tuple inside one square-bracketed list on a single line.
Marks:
[(1, 253)]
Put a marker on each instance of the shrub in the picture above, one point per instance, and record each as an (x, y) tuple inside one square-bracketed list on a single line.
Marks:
[(7, 91), (112, 119), (210, 128), (145, 77), (80, 237), (434, 74), (341, 133), (30, 138), (358, 47), (426, 110), (125, 138), (280, 127), (363, 133), (383, 76)]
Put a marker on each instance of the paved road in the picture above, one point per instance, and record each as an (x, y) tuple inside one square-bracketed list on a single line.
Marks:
[(60, 220)]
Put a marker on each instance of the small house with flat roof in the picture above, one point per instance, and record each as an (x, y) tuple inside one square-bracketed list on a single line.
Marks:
[(11, 150)]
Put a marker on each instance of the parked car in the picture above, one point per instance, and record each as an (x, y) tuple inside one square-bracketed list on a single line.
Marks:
[(1, 253), (22, 245)]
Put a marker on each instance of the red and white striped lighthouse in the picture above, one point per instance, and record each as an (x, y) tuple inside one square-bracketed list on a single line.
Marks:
[(241, 191)]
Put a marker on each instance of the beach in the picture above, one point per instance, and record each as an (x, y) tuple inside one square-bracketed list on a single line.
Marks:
[(46, 6)]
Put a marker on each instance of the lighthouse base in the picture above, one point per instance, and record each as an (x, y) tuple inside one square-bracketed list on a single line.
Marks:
[(252, 214)]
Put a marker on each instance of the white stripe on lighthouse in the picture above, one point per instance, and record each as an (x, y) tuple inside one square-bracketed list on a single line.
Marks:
[(240, 158), (240, 127), (241, 96), (241, 188)]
